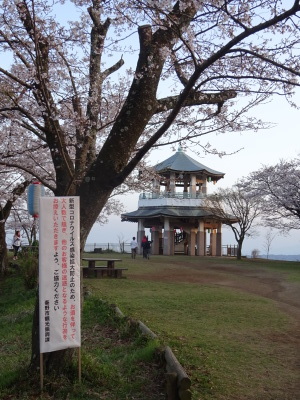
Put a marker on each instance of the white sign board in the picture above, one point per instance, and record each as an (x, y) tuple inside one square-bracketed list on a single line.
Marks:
[(59, 273)]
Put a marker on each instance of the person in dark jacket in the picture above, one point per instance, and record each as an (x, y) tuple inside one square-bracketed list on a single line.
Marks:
[(146, 246)]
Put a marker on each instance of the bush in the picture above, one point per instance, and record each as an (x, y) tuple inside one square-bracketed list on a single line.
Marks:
[(29, 266), (255, 253)]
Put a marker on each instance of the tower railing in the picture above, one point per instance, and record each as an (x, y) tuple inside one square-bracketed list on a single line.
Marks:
[(171, 195)]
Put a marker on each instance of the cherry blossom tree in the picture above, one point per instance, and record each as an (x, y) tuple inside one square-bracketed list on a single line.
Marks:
[(12, 187), (94, 124), (234, 204), (83, 102), (278, 189)]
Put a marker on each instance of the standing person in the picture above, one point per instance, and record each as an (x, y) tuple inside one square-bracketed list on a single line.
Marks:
[(144, 241), (16, 244), (134, 246), (146, 245)]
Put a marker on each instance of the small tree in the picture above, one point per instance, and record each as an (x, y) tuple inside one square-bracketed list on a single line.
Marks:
[(121, 243), (269, 237), (230, 204)]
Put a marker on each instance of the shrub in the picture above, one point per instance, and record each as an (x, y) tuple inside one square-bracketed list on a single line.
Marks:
[(29, 266), (255, 253)]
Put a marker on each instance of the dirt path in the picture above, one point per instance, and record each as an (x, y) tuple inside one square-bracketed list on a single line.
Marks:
[(263, 283), (255, 280)]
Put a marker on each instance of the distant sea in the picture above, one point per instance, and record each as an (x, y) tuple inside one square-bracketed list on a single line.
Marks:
[(283, 257)]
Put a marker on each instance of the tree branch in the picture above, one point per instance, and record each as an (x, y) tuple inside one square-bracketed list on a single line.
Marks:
[(196, 99), (17, 191), (112, 69), (21, 167), (15, 79)]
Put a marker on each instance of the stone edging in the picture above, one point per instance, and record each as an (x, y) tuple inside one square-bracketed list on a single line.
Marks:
[(178, 383)]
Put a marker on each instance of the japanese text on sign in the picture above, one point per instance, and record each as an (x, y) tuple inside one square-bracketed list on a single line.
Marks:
[(59, 267)]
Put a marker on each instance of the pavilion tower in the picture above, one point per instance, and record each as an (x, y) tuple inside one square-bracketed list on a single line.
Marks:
[(174, 210)]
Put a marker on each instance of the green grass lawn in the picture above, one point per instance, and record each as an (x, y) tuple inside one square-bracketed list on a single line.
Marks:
[(234, 345), (223, 337), (118, 362)]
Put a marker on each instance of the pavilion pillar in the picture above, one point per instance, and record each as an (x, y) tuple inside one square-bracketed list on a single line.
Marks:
[(219, 241), (161, 240), (201, 240), (204, 187), (156, 186), (172, 182), (193, 186), (155, 240), (168, 247), (213, 242), (192, 243), (140, 235)]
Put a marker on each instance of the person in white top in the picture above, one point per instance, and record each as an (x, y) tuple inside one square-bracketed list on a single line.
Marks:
[(134, 246), (16, 244)]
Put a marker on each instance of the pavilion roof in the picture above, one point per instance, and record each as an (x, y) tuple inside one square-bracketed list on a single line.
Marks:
[(171, 212), (181, 162)]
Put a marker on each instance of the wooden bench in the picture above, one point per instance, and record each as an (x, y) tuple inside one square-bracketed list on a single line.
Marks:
[(100, 272)]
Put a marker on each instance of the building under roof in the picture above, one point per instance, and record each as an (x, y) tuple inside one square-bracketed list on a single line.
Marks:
[(175, 209)]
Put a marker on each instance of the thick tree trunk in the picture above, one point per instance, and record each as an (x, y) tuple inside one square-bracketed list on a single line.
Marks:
[(239, 251), (3, 249), (92, 201), (56, 362), (35, 338)]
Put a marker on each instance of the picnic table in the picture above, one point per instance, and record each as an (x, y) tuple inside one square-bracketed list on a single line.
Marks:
[(98, 271), (110, 262)]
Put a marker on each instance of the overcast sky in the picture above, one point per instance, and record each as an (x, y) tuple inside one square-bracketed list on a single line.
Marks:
[(265, 147)]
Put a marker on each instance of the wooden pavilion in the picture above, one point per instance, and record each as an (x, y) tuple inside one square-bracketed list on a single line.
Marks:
[(175, 212)]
